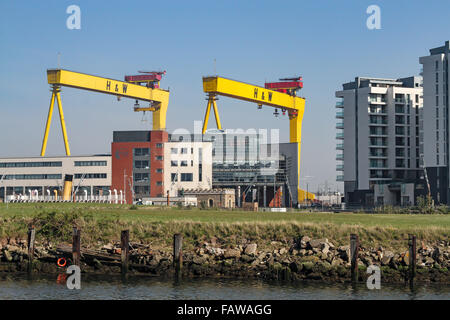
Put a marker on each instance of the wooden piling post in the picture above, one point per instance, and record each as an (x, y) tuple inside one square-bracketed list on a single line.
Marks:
[(76, 246), (124, 245), (177, 253), (354, 253), (412, 257), (31, 238)]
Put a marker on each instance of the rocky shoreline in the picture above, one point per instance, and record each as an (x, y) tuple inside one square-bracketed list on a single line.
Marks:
[(302, 258)]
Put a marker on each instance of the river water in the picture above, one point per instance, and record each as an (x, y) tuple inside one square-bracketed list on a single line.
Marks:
[(141, 287)]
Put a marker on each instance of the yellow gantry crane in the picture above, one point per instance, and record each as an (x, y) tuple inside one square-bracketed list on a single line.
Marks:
[(158, 98), (280, 95)]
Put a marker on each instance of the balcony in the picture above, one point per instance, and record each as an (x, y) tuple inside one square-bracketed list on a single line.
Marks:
[(339, 104), (340, 135), (340, 115), (340, 125), (340, 167), (340, 146), (340, 156), (378, 121), (340, 178)]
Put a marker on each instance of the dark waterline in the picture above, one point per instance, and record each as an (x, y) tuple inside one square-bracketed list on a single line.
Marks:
[(150, 288)]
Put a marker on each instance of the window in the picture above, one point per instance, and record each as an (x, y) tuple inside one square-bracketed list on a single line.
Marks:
[(192, 163), (142, 189), (141, 151), (200, 174), (192, 150), (159, 170), (159, 145), (437, 101), (90, 163), (138, 177), (173, 177), (186, 177), (174, 163), (173, 150), (437, 65), (159, 157), (159, 183), (184, 151), (141, 164), (183, 163)]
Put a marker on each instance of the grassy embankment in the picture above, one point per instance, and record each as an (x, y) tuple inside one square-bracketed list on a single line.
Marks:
[(102, 223)]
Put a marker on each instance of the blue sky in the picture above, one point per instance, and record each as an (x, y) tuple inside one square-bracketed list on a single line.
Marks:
[(327, 42)]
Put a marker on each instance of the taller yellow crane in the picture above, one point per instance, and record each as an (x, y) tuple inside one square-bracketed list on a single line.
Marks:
[(131, 88), (283, 97)]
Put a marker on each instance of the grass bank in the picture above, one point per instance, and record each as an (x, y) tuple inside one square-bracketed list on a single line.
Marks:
[(102, 223)]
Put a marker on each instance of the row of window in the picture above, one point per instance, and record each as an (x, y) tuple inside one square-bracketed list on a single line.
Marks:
[(91, 175), (141, 151), (183, 163), (182, 150), (31, 176), (183, 177), (90, 163), (30, 164)]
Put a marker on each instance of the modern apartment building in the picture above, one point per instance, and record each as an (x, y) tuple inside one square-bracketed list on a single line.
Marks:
[(147, 165), (436, 86), (378, 140)]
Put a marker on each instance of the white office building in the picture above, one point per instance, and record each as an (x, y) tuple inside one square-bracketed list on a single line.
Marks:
[(378, 140), (436, 86), (37, 178)]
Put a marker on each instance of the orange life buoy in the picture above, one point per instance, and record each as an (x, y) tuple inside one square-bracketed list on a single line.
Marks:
[(61, 262)]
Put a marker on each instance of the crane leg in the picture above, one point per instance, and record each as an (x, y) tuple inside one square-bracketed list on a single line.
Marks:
[(47, 126), (205, 121), (295, 136), (216, 114), (63, 123)]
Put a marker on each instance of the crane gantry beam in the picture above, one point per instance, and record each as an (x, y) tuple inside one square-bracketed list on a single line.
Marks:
[(158, 98), (295, 106)]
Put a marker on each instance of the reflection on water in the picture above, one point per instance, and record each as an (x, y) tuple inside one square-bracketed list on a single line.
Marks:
[(142, 287)]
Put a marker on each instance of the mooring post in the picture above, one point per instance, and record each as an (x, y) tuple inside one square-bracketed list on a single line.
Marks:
[(76, 247), (124, 245), (354, 252), (31, 238), (412, 257), (177, 253)]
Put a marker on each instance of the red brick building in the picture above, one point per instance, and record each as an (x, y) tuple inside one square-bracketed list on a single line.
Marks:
[(138, 163)]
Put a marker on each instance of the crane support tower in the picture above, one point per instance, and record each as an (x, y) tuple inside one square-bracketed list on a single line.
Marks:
[(279, 95), (157, 98)]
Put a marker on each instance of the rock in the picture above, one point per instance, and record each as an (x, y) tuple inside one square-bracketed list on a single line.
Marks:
[(294, 252), (386, 258), (215, 251), (283, 251), (232, 253), (307, 266), (295, 267), (228, 263), (275, 243), (302, 253), (247, 259), (7, 255), (344, 253), (325, 248), (198, 260), (250, 249), (436, 255)]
